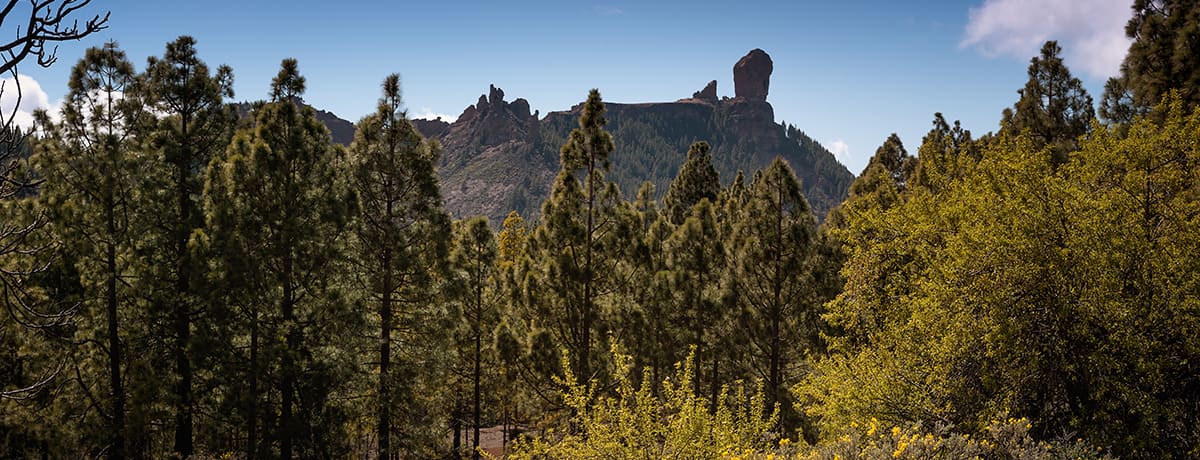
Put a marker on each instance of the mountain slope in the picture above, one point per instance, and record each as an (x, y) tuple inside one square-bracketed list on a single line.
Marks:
[(498, 157)]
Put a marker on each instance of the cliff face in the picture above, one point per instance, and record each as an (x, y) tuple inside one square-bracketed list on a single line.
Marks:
[(498, 157), (489, 161)]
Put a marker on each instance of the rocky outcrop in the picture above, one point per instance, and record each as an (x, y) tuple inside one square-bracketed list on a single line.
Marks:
[(487, 156), (752, 75), (432, 128), (708, 94), (498, 157)]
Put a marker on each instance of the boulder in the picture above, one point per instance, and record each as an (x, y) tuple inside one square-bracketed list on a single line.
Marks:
[(752, 75)]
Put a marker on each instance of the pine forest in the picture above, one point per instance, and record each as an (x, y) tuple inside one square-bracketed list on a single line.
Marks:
[(187, 276)]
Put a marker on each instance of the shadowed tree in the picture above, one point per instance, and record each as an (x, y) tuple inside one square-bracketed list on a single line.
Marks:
[(1164, 56), (193, 125), (402, 230), (91, 171), (1054, 106), (276, 203), (697, 179)]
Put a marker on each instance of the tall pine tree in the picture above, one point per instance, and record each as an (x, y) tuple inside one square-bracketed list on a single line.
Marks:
[(90, 165), (194, 124), (573, 246), (778, 309), (1054, 106), (277, 204), (402, 238)]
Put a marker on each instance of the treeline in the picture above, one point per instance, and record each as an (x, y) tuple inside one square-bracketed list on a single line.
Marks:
[(204, 283), (188, 281)]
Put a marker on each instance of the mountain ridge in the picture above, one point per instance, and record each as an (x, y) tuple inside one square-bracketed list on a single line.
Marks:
[(498, 157)]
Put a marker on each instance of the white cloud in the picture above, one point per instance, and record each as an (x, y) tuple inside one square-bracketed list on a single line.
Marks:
[(1091, 33), (606, 10), (840, 150), (427, 114), (31, 97)]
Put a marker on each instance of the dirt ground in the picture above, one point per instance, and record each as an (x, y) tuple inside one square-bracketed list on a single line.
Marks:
[(491, 439)]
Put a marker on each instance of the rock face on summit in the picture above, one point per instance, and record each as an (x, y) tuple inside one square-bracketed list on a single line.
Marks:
[(489, 162), (708, 94), (499, 157), (752, 75)]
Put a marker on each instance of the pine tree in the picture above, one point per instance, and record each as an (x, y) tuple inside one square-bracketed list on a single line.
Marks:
[(697, 179), (573, 244), (402, 234), (696, 256), (1164, 56), (945, 152), (193, 125), (773, 246), (475, 258), (91, 166), (1054, 106), (275, 202)]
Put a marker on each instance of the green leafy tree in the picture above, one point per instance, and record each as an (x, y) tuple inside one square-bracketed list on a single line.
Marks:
[(90, 165), (697, 179), (475, 258), (194, 125), (510, 242), (994, 296), (777, 308), (278, 208), (402, 235), (574, 246), (1054, 106), (1164, 56)]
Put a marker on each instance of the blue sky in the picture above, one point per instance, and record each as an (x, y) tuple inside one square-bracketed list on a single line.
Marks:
[(847, 73)]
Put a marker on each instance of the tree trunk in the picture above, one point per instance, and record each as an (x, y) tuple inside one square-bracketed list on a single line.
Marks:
[(475, 443), (385, 358), (252, 419), (456, 425), (183, 364), (117, 421), (287, 387)]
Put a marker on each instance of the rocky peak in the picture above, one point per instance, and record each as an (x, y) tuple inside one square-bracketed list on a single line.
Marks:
[(708, 94), (752, 75), (495, 95)]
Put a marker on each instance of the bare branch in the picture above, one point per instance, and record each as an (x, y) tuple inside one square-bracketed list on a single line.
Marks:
[(47, 23)]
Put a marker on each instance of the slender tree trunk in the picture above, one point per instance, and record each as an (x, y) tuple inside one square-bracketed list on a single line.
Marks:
[(117, 427), (776, 310), (287, 385), (385, 357), (585, 359), (478, 350), (456, 425), (504, 432), (252, 419), (183, 364)]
